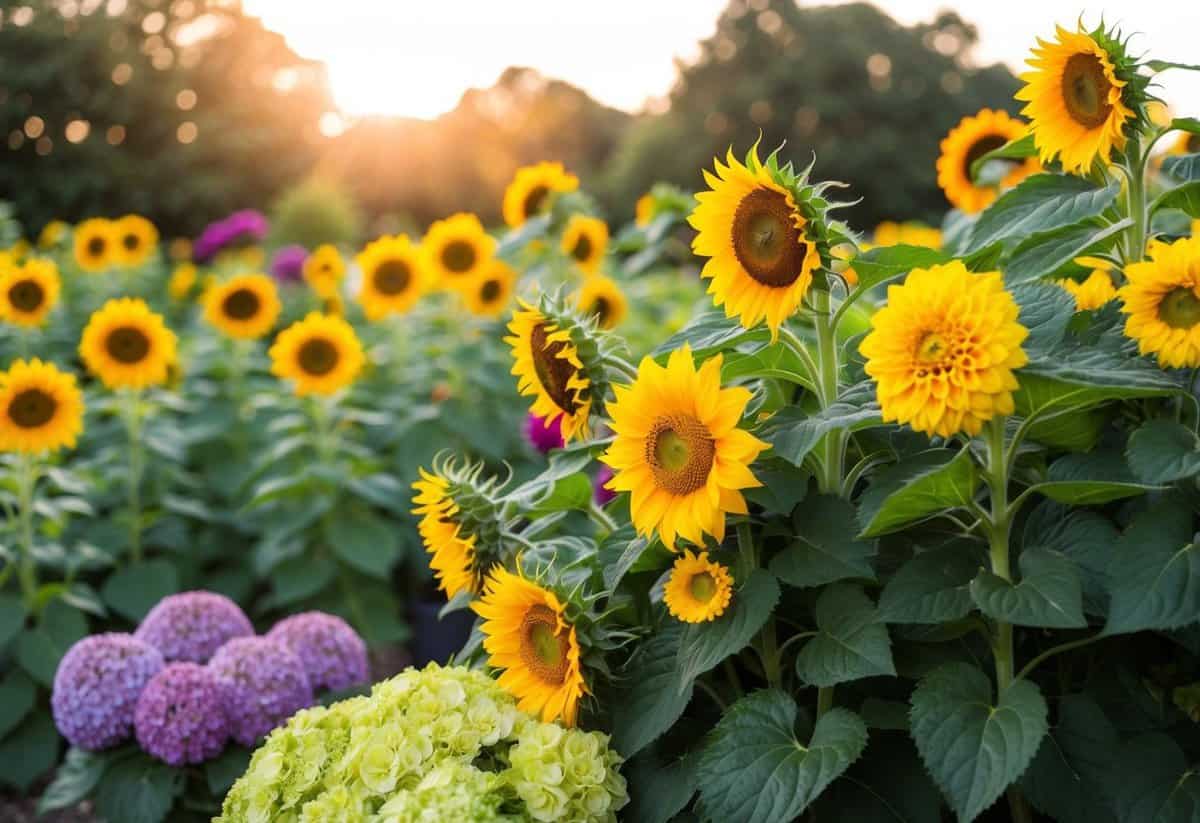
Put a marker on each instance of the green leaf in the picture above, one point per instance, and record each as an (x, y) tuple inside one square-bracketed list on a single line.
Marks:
[(12, 618), (223, 771), (363, 540), (570, 493), (924, 485), (825, 549), (794, 433), (753, 768), (1091, 479), (76, 777), (1017, 149), (1068, 779), (138, 789), (881, 264), (1163, 65), (1189, 124), (300, 577), (650, 706), (704, 645), (658, 791), (710, 332), (1070, 378), (40, 649), (1045, 253), (1155, 572), (1153, 780), (1182, 166), (17, 696), (975, 748), (887, 785), (933, 587), (1186, 198), (851, 643), (1163, 451), (1038, 204), (1085, 537), (29, 752), (1048, 595), (133, 591), (769, 361), (1046, 310)]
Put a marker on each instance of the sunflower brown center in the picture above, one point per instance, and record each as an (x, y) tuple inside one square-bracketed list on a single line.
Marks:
[(32, 408), (317, 356), (601, 309), (583, 248), (1180, 308), (1085, 90), (765, 239), (534, 200), (241, 304), (978, 149), (490, 291), (553, 372), (544, 647), (459, 256), (703, 587), (131, 241), (1193, 143), (392, 277), (127, 344), (26, 295), (95, 246), (680, 452)]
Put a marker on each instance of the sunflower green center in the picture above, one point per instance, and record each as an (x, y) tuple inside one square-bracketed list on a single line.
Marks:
[(127, 344), (317, 356), (95, 246), (490, 291), (702, 587), (131, 242), (26, 295), (392, 277), (459, 256), (241, 304), (765, 239), (680, 452), (553, 372), (544, 648), (1085, 89), (32, 408), (1180, 308), (978, 149), (582, 250), (534, 200)]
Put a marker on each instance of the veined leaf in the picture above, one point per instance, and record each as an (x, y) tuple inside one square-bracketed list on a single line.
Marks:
[(1040, 203), (1155, 781), (825, 549), (1163, 451), (794, 433), (710, 332), (704, 645), (1049, 594), (651, 704), (1045, 253), (919, 487), (1155, 572), (1182, 166), (1069, 777), (1091, 479), (851, 642), (1076, 378), (881, 264), (1185, 197), (933, 587)]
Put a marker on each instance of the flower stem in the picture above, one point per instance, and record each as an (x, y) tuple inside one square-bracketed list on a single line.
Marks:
[(132, 414), (1136, 192), (830, 480), (27, 570), (768, 641)]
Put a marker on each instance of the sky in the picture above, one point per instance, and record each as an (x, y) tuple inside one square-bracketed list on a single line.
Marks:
[(416, 58)]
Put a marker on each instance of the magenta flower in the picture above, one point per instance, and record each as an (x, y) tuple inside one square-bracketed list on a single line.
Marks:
[(541, 435)]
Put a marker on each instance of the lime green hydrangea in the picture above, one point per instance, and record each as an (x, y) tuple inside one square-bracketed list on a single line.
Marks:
[(436, 744)]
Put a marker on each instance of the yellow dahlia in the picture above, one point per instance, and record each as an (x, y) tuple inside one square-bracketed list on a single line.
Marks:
[(323, 270), (127, 345), (529, 192), (585, 240), (29, 292), (1093, 292), (457, 250), (244, 307), (528, 637), (548, 368), (52, 233), (602, 298), (971, 139), (95, 244), (451, 550), (182, 281), (1074, 101), (393, 276), (698, 589), (320, 353), (943, 350), (678, 450), (490, 294), (41, 408), (1162, 299), (761, 260), (136, 239)]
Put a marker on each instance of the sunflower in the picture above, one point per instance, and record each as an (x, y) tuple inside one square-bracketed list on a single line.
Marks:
[(323, 270), (678, 450), (548, 368), (490, 293), (971, 139), (41, 408), (643, 210), (584, 240), (602, 298), (127, 345), (394, 276), (244, 307), (943, 350), (527, 635), (136, 239), (761, 261), (182, 281), (1093, 292), (95, 244), (1162, 299), (321, 353), (457, 250), (452, 552), (29, 292), (529, 192), (1185, 143), (52, 234), (1074, 100), (698, 589)]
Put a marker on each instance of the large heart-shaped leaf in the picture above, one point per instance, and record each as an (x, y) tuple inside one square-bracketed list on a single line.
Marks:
[(1091, 479), (650, 704), (933, 587), (1049, 594), (1163, 451), (1155, 572), (1068, 778), (1153, 780), (825, 549), (851, 642), (704, 645)]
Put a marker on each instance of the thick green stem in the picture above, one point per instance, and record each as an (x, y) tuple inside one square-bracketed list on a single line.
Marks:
[(137, 466), (830, 480), (1136, 198), (768, 644), (27, 563)]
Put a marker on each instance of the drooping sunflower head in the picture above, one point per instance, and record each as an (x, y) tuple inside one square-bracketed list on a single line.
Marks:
[(127, 345), (698, 589), (970, 140), (320, 353), (943, 350), (324, 269), (95, 244), (585, 240), (28, 292), (532, 189), (1162, 298), (244, 307), (600, 297), (41, 408), (530, 638), (490, 294), (136, 240), (394, 276), (52, 234), (457, 250), (678, 450), (1094, 291), (1080, 96), (182, 281)]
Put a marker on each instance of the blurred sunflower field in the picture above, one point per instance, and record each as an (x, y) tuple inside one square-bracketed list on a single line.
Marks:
[(729, 512)]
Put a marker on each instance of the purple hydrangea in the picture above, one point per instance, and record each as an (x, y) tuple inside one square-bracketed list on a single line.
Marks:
[(97, 686), (601, 493), (180, 717), (243, 226), (541, 435), (264, 684), (333, 654), (287, 266), (193, 625)]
